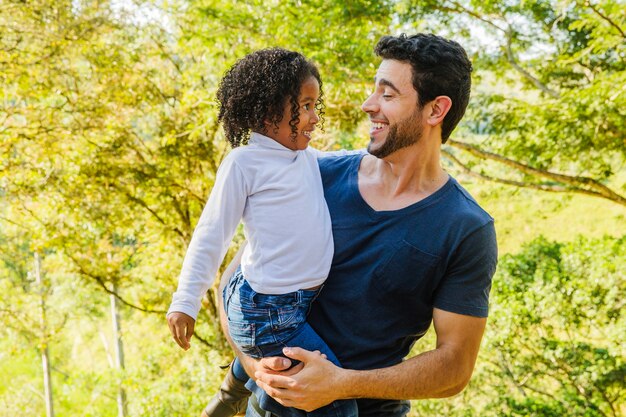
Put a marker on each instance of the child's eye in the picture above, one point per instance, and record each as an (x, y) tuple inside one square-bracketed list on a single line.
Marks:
[(307, 107)]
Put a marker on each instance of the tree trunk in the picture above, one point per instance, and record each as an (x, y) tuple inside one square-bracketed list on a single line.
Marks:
[(119, 355), (45, 358)]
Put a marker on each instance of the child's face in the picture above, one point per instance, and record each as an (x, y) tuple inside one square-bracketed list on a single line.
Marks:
[(309, 93)]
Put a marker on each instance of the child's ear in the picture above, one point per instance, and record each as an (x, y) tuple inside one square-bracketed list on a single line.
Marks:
[(267, 124)]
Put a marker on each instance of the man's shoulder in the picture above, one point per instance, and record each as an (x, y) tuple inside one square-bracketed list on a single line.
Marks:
[(466, 207), (339, 161)]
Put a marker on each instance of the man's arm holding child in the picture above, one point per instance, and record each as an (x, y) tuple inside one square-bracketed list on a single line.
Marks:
[(438, 373)]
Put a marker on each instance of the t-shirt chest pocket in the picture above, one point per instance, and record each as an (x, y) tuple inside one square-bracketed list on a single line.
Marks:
[(407, 270)]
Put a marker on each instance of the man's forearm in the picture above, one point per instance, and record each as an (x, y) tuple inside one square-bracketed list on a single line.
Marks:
[(242, 358), (438, 373), (435, 374), (441, 372), (432, 374)]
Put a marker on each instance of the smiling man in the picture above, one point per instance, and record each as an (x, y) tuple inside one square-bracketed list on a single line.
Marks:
[(411, 247)]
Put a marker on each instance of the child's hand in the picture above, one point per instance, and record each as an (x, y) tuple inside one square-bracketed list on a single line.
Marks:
[(181, 326)]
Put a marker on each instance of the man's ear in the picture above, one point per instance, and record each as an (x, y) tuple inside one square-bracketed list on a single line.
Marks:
[(439, 107)]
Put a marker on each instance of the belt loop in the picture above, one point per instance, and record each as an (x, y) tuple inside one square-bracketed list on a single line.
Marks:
[(317, 293)]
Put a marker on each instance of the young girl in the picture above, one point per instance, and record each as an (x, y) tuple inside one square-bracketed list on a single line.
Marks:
[(271, 102)]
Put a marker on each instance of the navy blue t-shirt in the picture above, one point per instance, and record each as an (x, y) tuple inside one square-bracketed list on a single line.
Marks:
[(390, 268)]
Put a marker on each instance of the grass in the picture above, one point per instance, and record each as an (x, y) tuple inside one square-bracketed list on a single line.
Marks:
[(523, 214)]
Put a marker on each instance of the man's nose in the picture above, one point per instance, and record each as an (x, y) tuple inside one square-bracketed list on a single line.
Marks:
[(370, 105)]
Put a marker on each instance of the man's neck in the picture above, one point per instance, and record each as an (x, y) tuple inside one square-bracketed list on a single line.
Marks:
[(403, 178)]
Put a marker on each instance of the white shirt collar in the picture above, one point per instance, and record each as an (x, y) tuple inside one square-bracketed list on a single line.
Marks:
[(263, 141)]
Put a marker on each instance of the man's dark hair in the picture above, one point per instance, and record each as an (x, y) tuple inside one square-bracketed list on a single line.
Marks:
[(256, 89), (440, 68)]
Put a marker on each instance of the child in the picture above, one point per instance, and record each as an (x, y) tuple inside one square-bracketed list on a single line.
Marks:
[(270, 101)]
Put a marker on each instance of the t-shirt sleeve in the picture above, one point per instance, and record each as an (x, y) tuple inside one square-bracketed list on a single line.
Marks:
[(213, 233), (466, 284)]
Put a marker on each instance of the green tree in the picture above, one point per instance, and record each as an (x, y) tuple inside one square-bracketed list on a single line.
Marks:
[(102, 150), (109, 139), (109, 147), (555, 340), (549, 110)]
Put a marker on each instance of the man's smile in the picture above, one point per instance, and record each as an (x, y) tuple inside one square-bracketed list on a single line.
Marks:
[(377, 127)]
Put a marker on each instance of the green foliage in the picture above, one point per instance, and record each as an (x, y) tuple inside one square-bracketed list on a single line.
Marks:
[(551, 87), (337, 35), (555, 337), (554, 340), (109, 147)]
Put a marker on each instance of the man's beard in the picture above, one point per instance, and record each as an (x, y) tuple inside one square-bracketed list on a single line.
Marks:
[(400, 135)]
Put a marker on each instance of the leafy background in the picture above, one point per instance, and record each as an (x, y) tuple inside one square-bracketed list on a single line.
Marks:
[(109, 146)]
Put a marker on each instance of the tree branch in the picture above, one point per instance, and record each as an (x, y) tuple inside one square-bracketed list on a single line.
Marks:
[(459, 8), (504, 365), (542, 187), (25, 322), (203, 340), (462, 9), (513, 61), (101, 282), (167, 54), (147, 207), (609, 402), (545, 393), (578, 184), (605, 18), (14, 223)]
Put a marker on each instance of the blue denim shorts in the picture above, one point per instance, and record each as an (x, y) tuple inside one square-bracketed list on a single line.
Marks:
[(262, 324)]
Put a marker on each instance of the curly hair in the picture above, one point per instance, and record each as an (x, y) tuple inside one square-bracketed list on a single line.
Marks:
[(257, 89), (440, 67)]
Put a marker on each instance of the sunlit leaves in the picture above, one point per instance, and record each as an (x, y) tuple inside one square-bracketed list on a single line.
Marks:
[(554, 336)]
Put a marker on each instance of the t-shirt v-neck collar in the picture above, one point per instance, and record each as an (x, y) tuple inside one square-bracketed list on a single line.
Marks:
[(418, 205)]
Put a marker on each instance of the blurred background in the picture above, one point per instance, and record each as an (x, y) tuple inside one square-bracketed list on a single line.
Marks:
[(109, 146)]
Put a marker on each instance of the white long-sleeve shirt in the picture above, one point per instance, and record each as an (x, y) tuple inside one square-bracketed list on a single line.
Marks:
[(278, 194)]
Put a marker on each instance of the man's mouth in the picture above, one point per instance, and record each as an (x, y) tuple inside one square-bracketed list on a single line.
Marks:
[(378, 126)]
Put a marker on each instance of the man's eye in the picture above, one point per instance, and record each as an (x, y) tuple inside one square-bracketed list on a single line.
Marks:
[(387, 96)]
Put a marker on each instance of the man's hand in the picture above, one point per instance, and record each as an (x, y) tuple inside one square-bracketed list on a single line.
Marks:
[(274, 365), (181, 325), (316, 383)]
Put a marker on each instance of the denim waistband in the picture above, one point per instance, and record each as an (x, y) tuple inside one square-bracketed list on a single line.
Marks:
[(294, 297)]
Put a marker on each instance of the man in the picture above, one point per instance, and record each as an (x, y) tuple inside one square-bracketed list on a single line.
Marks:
[(411, 247)]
